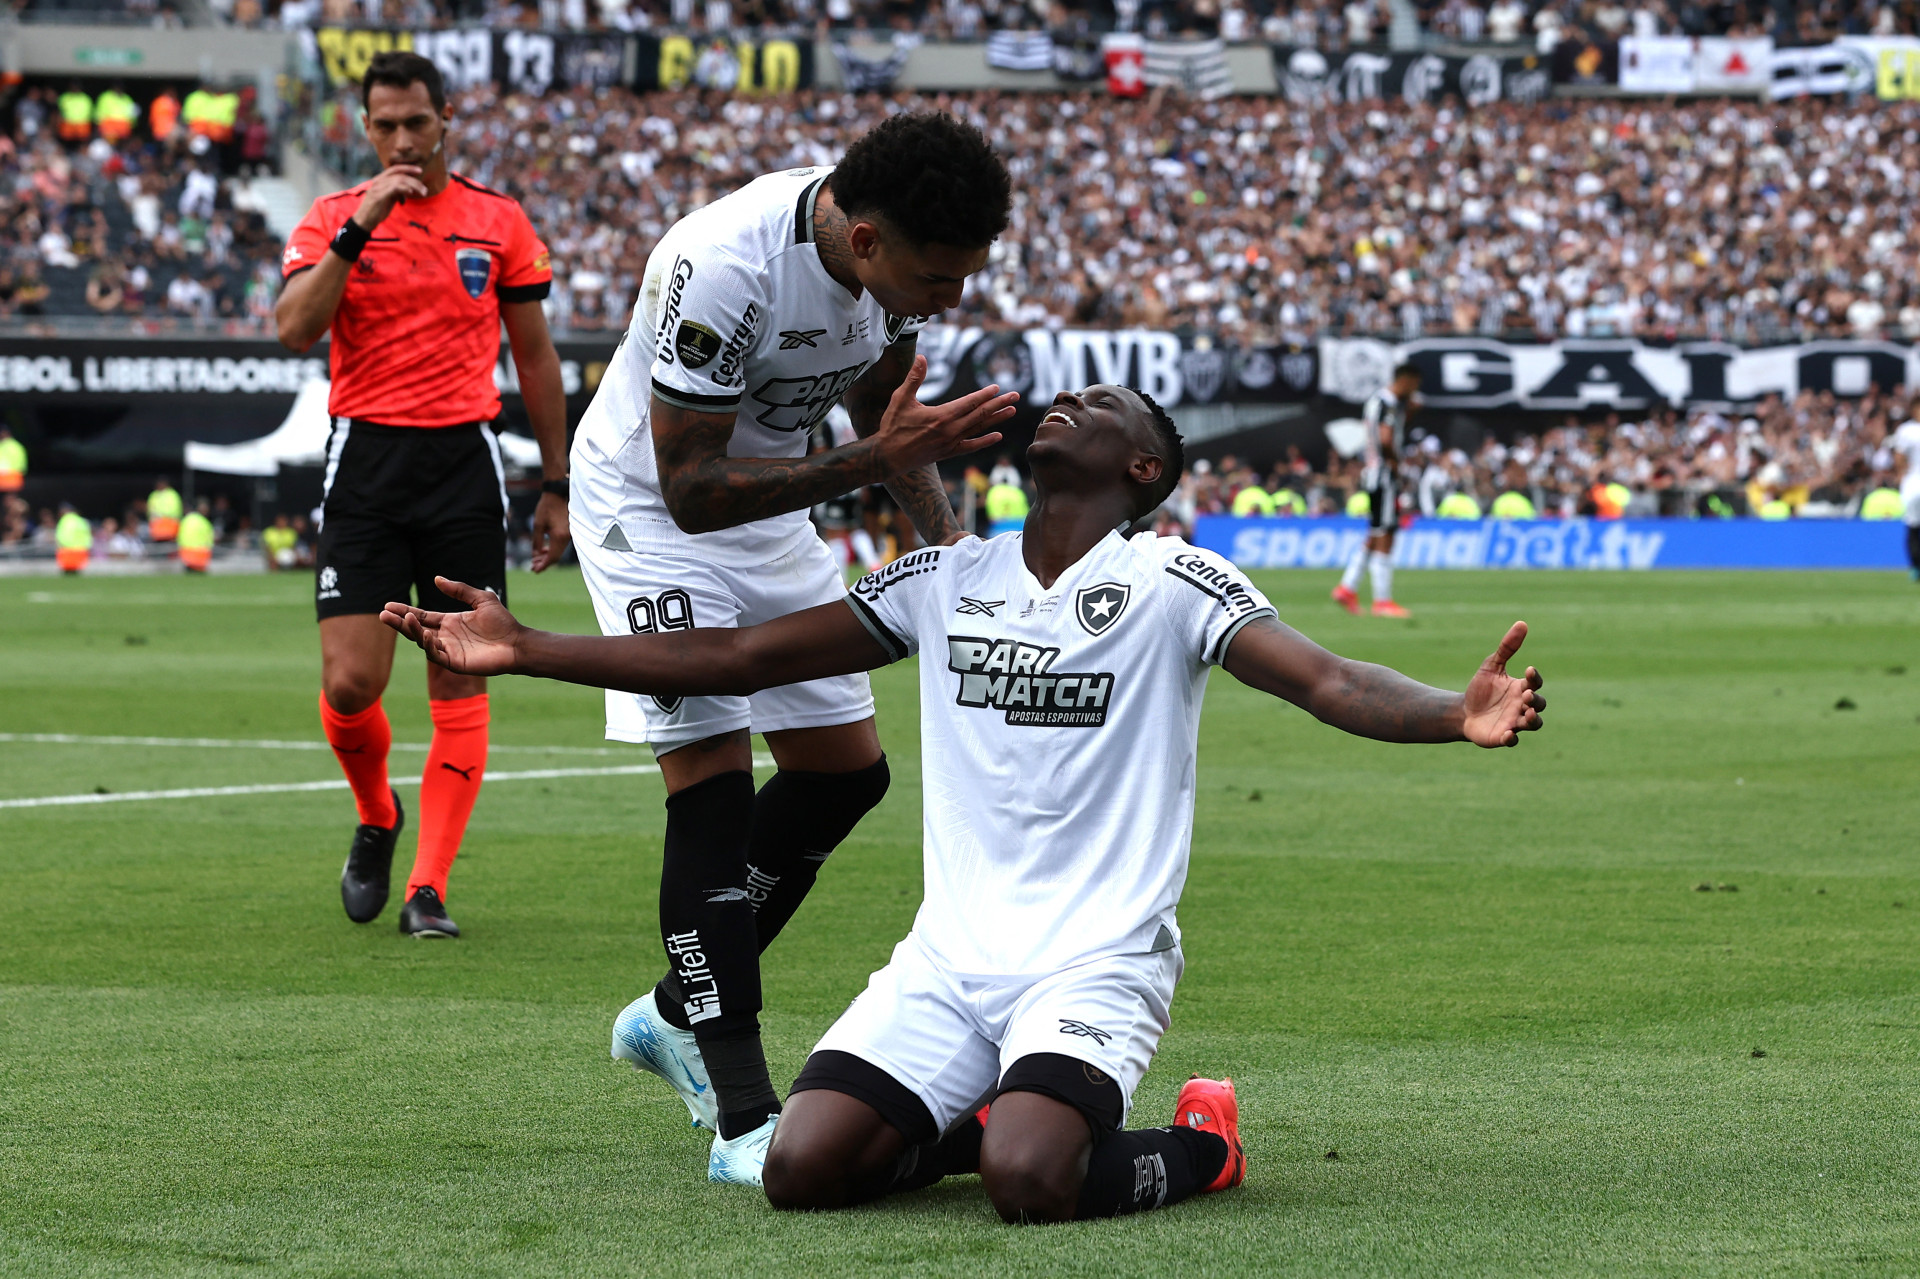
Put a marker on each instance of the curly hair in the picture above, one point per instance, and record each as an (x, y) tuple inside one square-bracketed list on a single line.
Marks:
[(930, 176), (1173, 450)]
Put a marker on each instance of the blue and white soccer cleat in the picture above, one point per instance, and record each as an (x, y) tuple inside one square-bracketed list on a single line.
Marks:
[(646, 1040), (741, 1161)]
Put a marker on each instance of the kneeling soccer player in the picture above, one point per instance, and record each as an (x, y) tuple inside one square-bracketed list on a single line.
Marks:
[(1059, 723)]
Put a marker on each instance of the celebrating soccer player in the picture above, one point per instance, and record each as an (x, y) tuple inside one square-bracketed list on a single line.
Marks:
[(1062, 676), (413, 272), (756, 315)]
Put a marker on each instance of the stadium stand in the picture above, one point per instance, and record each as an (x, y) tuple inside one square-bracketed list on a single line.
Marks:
[(1266, 222), (1330, 25), (1817, 455), (166, 231)]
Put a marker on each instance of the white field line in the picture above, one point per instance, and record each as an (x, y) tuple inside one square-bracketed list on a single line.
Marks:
[(262, 744), (282, 788)]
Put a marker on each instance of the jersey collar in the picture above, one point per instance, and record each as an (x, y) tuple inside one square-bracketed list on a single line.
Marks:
[(803, 212)]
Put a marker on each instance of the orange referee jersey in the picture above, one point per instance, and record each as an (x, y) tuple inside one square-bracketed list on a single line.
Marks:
[(418, 330)]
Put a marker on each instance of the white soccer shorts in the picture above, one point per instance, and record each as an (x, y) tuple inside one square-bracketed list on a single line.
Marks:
[(637, 592), (1910, 498), (949, 1038)]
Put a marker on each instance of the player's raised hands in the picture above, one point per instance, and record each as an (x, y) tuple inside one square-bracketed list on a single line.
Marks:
[(1499, 707), (480, 642), (913, 435)]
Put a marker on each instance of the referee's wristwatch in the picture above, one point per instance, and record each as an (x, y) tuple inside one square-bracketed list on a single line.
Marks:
[(559, 488)]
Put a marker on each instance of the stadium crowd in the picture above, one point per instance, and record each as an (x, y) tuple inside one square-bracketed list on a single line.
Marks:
[(1260, 220), (1325, 24), (1813, 456), (148, 224), (1266, 221)]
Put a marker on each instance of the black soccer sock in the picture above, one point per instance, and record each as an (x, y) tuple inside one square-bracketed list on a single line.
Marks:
[(798, 819), (712, 984), (1913, 546), (1148, 1168), (918, 1167)]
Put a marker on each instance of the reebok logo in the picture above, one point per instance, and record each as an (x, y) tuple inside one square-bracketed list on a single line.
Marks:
[(689, 962), (794, 339), (1070, 1027), (970, 607), (1019, 679), (466, 772), (717, 895)]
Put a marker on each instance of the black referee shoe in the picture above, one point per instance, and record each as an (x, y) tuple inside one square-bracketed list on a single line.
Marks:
[(425, 915), (364, 880)]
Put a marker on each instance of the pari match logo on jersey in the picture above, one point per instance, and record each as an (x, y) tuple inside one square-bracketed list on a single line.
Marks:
[(1018, 680)]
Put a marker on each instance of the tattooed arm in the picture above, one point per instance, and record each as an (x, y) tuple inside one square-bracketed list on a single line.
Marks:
[(706, 490), (920, 493), (1378, 702)]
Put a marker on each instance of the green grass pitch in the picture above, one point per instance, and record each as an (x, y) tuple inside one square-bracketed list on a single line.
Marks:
[(1484, 980)]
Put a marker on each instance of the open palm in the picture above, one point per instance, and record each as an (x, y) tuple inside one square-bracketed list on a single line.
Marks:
[(479, 642), (1499, 706)]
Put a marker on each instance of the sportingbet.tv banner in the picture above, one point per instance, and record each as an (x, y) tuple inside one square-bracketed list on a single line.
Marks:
[(1563, 544), (1597, 373), (536, 62)]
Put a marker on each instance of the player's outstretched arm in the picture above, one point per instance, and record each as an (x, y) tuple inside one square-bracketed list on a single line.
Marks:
[(706, 490), (488, 640), (1379, 702), (920, 493)]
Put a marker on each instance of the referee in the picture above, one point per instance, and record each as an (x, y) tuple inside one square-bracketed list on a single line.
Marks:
[(413, 273)]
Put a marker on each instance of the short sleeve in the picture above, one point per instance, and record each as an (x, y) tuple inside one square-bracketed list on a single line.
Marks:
[(1209, 600), (889, 600), (308, 241), (712, 309), (527, 273)]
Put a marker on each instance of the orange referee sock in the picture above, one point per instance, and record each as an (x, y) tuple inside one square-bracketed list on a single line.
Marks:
[(456, 762), (361, 742)]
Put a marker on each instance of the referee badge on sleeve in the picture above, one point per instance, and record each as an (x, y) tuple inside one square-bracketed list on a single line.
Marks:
[(476, 269)]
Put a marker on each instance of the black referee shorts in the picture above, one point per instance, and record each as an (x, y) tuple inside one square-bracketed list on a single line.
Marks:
[(403, 503)]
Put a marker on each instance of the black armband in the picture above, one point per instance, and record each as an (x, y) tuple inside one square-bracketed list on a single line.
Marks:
[(350, 239), (560, 488)]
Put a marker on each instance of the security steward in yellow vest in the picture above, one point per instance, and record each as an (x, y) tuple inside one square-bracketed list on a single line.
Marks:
[(1006, 509), (75, 109), (163, 512), (72, 540), (196, 539), (114, 114), (13, 462), (1513, 505)]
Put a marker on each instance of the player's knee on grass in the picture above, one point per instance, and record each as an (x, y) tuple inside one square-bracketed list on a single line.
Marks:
[(826, 1150), (1033, 1158), (1041, 1132)]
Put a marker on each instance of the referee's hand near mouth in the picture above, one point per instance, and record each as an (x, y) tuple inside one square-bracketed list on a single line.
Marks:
[(413, 272)]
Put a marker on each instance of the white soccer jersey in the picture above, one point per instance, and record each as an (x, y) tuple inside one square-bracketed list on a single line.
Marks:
[(735, 314), (1058, 729)]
